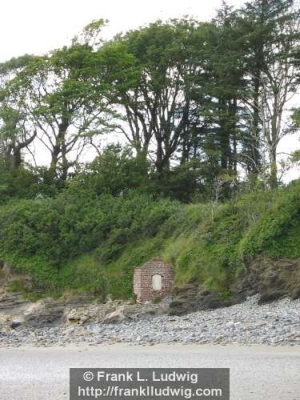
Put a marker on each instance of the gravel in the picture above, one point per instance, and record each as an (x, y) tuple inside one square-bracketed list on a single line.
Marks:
[(275, 324)]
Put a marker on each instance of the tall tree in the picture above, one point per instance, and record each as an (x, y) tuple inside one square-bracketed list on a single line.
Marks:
[(16, 129), (224, 81), (65, 102), (154, 98), (271, 37)]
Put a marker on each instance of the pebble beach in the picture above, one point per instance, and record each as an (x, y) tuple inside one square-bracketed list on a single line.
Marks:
[(274, 324)]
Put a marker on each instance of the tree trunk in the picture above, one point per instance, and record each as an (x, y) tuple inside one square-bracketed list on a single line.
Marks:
[(255, 145), (273, 169), (54, 159)]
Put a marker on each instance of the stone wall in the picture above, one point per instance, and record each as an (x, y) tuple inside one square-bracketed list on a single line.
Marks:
[(142, 281)]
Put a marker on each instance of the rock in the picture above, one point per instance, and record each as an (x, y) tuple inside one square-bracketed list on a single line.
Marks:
[(271, 278), (212, 301), (77, 316), (295, 293), (114, 317), (230, 324), (271, 295), (44, 313), (15, 324), (12, 300), (178, 307), (185, 288), (190, 299)]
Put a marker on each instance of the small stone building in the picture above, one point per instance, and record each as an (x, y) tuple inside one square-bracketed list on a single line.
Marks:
[(153, 280)]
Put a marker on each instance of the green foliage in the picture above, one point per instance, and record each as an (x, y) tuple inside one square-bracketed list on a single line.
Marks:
[(116, 171), (275, 233), (16, 63), (20, 183), (296, 118), (42, 236), (82, 241)]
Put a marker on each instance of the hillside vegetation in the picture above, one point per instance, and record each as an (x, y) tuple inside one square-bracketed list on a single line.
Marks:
[(85, 242)]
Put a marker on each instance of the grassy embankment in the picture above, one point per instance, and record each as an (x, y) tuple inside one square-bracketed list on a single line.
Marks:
[(79, 241)]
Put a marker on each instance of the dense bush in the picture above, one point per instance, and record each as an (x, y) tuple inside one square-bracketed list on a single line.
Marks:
[(276, 232), (56, 231), (85, 241)]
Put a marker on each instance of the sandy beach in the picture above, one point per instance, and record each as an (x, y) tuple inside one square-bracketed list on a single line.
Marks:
[(256, 372)]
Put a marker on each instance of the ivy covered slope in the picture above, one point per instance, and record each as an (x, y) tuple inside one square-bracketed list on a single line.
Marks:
[(83, 241)]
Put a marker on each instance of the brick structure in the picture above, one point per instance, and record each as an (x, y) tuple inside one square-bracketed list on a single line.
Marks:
[(153, 280)]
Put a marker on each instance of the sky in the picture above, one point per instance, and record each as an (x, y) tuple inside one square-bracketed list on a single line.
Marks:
[(38, 26)]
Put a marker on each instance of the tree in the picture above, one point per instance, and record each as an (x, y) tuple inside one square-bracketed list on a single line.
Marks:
[(222, 81), (67, 104), (64, 95), (16, 129), (154, 98), (116, 171), (271, 36)]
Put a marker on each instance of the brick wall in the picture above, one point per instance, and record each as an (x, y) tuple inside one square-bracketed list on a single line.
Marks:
[(142, 280)]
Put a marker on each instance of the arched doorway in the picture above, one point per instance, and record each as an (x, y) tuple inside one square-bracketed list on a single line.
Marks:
[(156, 282)]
